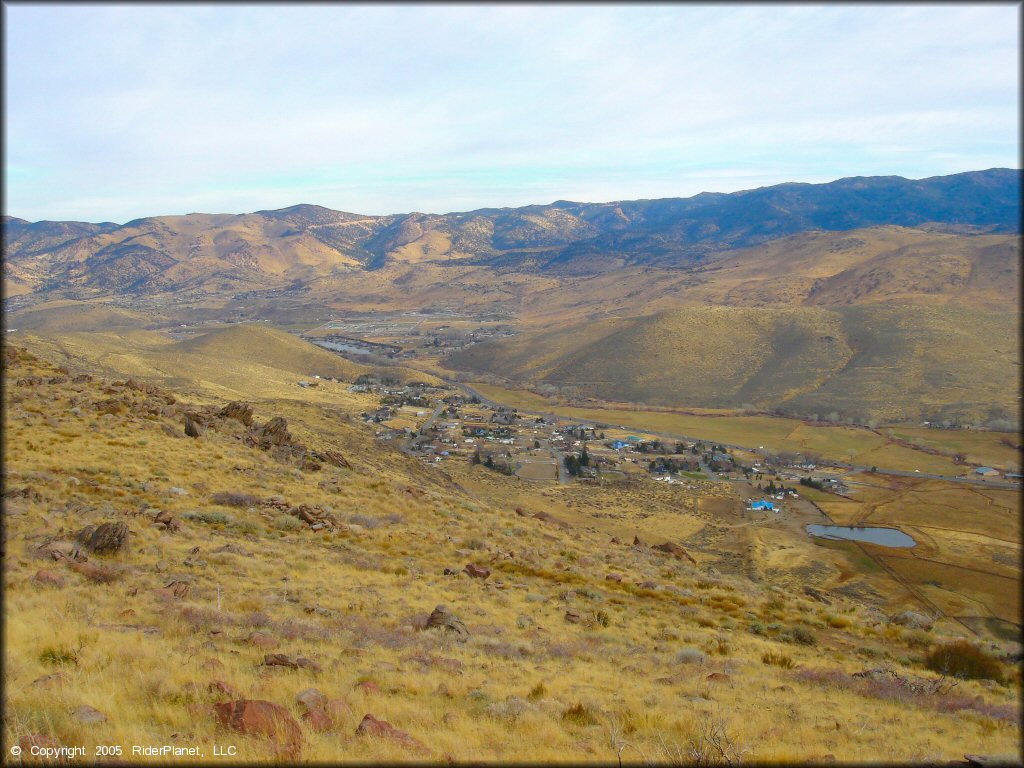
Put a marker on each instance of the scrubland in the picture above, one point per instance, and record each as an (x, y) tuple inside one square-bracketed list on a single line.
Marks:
[(576, 647)]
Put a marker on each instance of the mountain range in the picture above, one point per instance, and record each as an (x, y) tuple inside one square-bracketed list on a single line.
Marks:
[(306, 242)]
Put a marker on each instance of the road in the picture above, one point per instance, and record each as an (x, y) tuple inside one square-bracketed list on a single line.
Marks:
[(429, 422), (563, 473), (707, 471), (836, 464)]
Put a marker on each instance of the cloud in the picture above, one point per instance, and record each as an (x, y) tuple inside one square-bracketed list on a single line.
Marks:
[(116, 111)]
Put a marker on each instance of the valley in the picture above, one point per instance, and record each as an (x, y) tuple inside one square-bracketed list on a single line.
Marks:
[(457, 473)]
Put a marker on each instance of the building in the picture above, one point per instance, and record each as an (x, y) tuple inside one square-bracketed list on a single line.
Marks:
[(762, 504), (986, 471), (618, 445)]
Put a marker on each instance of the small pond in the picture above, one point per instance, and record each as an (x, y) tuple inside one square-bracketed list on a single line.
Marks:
[(886, 537)]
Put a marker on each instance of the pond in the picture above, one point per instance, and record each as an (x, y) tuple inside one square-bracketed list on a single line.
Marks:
[(886, 537)]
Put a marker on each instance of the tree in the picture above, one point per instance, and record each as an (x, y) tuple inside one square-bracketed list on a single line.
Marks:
[(490, 462), (584, 458), (536, 443), (476, 457)]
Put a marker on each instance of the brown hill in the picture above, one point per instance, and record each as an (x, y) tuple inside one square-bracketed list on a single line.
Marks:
[(868, 362)]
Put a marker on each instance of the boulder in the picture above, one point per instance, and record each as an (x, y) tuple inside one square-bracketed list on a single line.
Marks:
[(274, 432), (261, 718), (261, 640), (442, 618), (317, 720), (89, 715), (371, 726), (336, 459), (279, 660), (240, 412), (477, 571), (675, 550), (192, 428), (311, 699), (108, 538)]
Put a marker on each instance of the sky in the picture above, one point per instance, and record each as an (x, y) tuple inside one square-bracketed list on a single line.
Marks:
[(114, 112)]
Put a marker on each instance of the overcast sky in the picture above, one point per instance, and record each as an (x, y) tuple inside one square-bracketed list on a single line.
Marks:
[(117, 112)]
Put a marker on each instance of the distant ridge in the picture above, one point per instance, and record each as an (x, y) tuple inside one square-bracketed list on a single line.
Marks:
[(300, 243)]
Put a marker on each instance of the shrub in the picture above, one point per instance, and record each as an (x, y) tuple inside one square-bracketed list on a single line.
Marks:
[(580, 715), (365, 521), (537, 692), (838, 622), (777, 660), (287, 523), (602, 618), (803, 636), (757, 628), (690, 656), (234, 499), (963, 659), (58, 656), (208, 517)]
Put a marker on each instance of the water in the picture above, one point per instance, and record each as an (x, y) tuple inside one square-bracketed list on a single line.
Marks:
[(886, 537), (341, 347)]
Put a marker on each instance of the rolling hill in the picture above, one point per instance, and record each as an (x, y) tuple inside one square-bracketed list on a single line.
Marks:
[(878, 361)]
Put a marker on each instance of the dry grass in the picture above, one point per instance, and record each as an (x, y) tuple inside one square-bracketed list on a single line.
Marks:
[(355, 599)]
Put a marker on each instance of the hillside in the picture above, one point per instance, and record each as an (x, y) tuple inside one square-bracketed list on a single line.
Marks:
[(869, 362), (207, 253), (218, 569)]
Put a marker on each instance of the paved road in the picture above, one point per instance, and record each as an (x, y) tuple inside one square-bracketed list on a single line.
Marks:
[(429, 422), (837, 464), (707, 471)]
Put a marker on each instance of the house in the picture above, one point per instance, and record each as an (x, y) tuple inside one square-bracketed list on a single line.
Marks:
[(762, 505), (618, 445), (986, 471)]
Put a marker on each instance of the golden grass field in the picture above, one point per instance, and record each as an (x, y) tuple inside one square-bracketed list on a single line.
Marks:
[(526, 686)]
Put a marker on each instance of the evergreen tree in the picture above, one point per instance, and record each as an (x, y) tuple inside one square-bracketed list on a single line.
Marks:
[(476, 457), (490, 462)]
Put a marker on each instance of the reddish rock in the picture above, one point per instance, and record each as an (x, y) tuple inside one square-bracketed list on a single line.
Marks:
[(317, 720), (261, 718), (477, 571), (572, 617), (337, 709), (261, 640), (94, 573), (47, 578), (368, 687), (718, 677), (311, 699), (616, 577), (676, 551), (279, 660), (371, 726)]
